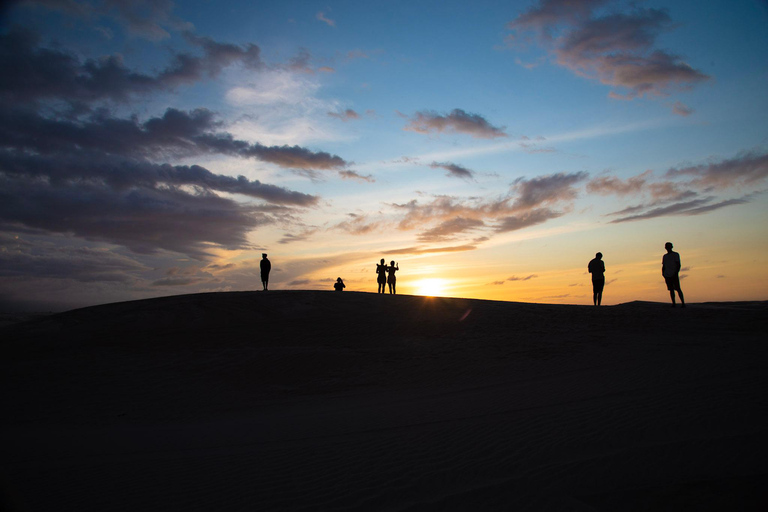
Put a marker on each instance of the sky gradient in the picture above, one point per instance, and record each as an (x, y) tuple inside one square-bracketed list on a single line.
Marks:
[(490, 148)]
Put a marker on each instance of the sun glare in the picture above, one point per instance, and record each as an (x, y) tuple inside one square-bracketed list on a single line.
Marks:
[(431, 287)]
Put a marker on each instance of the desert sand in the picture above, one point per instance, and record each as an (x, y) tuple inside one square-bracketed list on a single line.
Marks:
[(309, 400)]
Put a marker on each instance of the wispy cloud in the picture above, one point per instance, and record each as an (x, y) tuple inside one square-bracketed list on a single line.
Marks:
[(526, 278), (322, 17), (454, 170), (346, 115), (746, 169)]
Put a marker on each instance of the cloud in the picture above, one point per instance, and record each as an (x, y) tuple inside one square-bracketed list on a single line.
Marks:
[(357, 224), (321, 17), (20, 258), (548, 189), (526, 278), (529, 202), (617, 49), (347, 115), (527, 219), (420, 250), (695, 207), (177, 281), (454, 170), (33, 73), (448, 229), (457, 121), (353, 175), (150, 19), (747, 169), (116, 174), (175, 134), (299, 237), (143, 219), (608, 185), (681, 109)]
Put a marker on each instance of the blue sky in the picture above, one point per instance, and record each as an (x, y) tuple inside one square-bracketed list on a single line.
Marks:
[(154, 148)]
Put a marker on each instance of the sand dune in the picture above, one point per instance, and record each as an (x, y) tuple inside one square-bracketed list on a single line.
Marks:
[(353, 401)]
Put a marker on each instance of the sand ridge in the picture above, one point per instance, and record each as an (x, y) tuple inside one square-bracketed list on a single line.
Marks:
[(353, 401)]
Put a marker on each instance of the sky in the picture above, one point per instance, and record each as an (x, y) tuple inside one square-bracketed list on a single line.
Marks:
[(154, 148)]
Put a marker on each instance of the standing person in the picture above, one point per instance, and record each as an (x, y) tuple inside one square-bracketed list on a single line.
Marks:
[(339, 285), (392, 279), (670, 269), (265, 266), (596, 267), (381, 269)]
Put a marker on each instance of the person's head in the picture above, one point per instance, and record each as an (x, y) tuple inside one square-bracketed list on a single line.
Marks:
[(599, 255), (338, 280), (668, 246), (382, 261), (264, 255), (392, 263)]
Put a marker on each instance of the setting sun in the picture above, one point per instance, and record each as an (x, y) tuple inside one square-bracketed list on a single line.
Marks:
[(431, 287)]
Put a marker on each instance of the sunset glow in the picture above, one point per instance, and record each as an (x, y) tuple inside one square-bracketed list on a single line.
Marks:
[(490, 149), (431, 287)]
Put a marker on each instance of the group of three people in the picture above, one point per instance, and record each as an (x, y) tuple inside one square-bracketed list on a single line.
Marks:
[(670, 269)]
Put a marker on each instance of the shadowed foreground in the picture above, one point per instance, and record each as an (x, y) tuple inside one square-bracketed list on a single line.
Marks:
[(353, 401)]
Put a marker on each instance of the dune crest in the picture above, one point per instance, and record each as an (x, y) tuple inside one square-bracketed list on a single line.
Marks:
[(305, 400)]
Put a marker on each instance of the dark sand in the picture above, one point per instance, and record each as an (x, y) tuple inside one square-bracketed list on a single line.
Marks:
[(353, 401)]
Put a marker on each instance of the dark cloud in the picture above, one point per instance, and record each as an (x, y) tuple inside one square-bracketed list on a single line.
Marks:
[(618, 49), (143, 219), (448, 229), (32, 72), (20, 258), (173, 135), (746, 169), (120, 174), (454, 170), (457, 121)]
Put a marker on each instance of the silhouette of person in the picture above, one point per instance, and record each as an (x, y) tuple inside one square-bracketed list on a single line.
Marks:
[(670, 269), (265, 267), (381, 269), (339, 285), (596, 267), (392, 280)]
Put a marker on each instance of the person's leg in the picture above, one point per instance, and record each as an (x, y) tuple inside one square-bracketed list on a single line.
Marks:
[(599, 298), (594, 298), (672, 296), (682, 300)]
